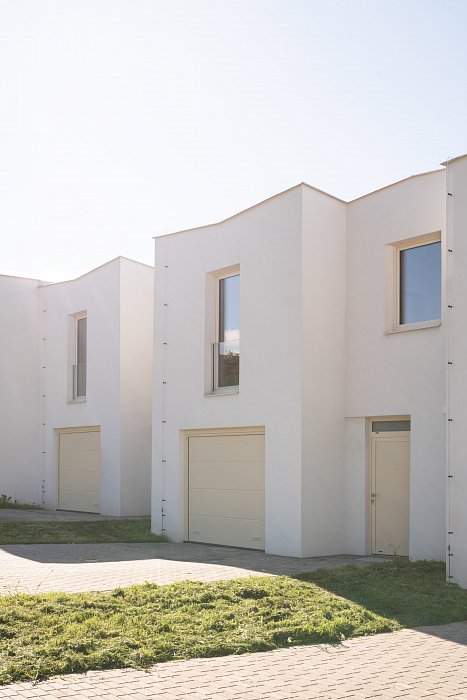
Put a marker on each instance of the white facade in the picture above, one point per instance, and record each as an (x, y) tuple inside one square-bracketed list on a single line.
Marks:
[(116, 299), (322, 355), (291, 353), (394, 374), (20, 473), (456, 370)]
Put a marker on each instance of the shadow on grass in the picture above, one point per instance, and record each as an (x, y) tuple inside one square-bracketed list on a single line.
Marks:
[(415, 594)]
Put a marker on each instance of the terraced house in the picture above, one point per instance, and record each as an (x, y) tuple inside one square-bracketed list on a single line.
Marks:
[(308, 378), (75, 428), (311, 371)]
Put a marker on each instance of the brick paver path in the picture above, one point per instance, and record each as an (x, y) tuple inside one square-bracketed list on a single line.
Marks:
[(430, 662), (97, 567), (56, 515)]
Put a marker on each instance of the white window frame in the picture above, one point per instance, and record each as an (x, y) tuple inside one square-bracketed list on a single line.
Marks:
[(212, 325), (393, 299), (73, 355)]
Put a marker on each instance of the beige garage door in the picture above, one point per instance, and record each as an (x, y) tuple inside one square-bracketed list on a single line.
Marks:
[(78, 470), (226, 490)]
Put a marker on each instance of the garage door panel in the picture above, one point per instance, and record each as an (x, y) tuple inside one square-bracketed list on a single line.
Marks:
[(227, 475), (227, 531), (228, 504), (79, 461), (227, 448), (82, 481), (83, 501), (226, 490), (71, 442), (79, 471)]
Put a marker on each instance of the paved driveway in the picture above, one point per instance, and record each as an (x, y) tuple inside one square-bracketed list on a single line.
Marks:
[(430, 662), (97, 567)]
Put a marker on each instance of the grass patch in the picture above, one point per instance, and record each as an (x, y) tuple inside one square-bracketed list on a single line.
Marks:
[(138, 626), (78, 532), (8, 502), (48, 634), (414, 594)]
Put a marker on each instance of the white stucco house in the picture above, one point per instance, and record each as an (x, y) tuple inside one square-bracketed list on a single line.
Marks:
[(75, 422), (304, 402)]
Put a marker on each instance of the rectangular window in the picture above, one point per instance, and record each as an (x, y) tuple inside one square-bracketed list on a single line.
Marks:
[(413, 283), (227, 348), (420, 283), (80, 352), (389, 426)]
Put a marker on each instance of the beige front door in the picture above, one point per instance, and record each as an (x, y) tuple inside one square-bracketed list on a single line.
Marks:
[(79, 469), (390, 493), (226, 489)]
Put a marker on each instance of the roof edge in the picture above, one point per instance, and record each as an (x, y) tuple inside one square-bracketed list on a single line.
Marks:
[(450, 160), (397, 182), (252, 206), (118, 258)]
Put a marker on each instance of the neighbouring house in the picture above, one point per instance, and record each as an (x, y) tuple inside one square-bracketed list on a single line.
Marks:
[(310, 365), (75, 420)]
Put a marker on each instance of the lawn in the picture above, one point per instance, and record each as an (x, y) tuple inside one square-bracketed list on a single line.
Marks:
[(51, 634), (80, 532)]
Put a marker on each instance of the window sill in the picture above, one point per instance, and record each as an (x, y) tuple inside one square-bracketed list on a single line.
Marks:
[(80, 399), (412, 327), (223, 392)]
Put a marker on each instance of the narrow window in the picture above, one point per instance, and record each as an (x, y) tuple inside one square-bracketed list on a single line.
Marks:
[(79, 368), (227, 349), (420, 283)]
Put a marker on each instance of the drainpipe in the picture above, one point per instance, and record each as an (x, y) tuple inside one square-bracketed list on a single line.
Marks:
[(449, 364), (43, 390), (163, 389)]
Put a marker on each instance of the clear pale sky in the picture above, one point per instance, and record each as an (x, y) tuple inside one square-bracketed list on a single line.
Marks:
[(124, 119)]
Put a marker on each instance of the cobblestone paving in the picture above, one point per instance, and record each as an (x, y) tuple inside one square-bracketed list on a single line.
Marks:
[(430, 662), (97, 567), (55, 515)]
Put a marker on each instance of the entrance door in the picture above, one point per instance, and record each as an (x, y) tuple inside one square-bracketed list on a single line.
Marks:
[(390, 487)]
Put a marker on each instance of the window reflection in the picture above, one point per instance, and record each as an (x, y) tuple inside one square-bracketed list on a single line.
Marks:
[(228, 349), (420, 283)]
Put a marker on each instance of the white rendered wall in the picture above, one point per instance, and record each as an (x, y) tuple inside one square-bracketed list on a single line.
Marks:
[(266, 242), (457, 354), (20, 459), (323, 373), (98, 293), (396, 373), (136, 338)]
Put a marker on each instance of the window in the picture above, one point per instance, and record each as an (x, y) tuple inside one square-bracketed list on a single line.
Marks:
[(416, 297), (420, 283), (79, 360), (226, 356)]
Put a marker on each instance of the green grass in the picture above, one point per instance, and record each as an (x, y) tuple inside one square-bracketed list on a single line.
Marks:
[(48, 634), (414, 594), (8, 502), (80, 532)]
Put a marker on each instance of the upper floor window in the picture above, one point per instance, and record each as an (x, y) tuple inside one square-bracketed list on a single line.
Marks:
[(227, 348), (420, 283), (80, 352), (414, 283)]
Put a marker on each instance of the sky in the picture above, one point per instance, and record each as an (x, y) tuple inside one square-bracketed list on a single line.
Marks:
[(121, 120)]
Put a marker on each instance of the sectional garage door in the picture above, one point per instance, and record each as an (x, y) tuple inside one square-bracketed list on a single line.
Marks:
[(79, 470), (226, 489)]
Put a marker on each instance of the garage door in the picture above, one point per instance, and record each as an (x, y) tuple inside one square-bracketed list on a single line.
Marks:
[(226, 490), (78, 470)]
